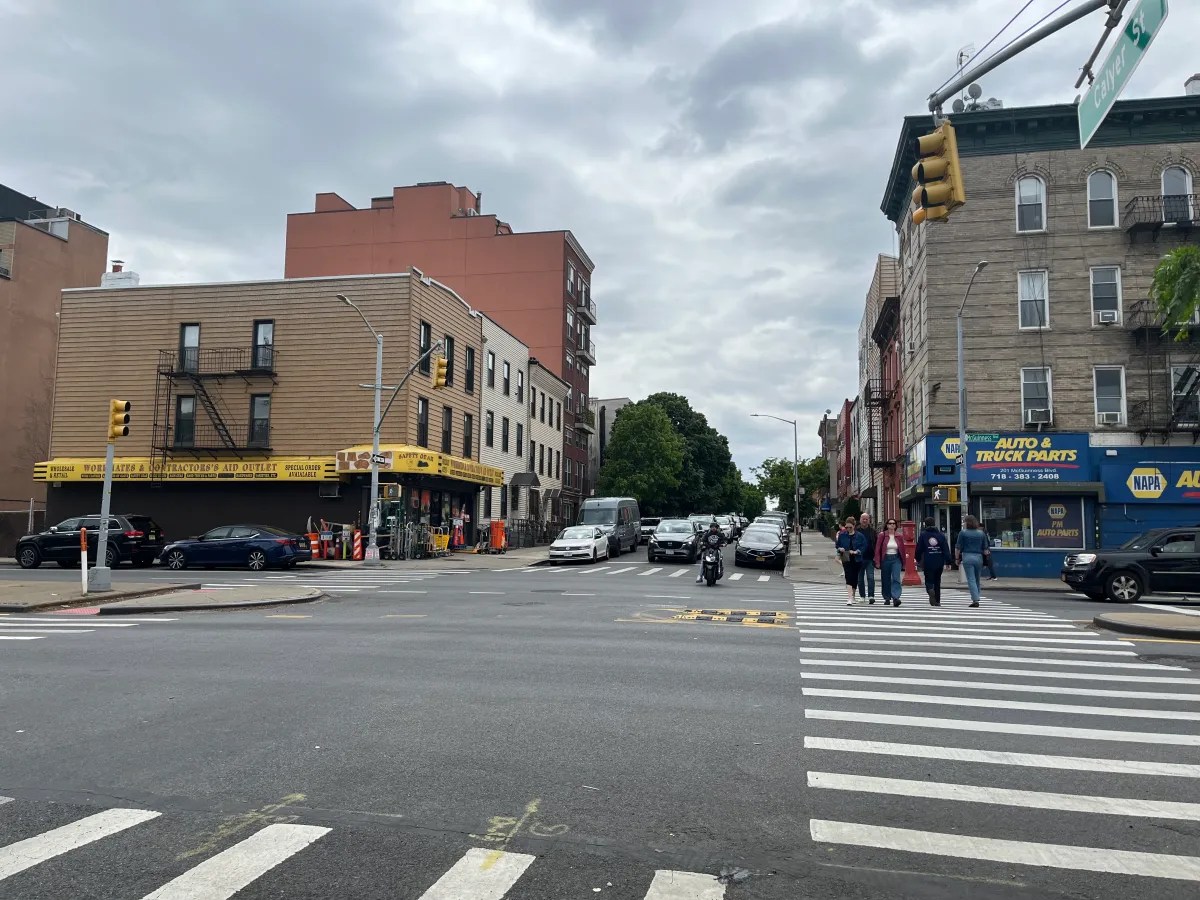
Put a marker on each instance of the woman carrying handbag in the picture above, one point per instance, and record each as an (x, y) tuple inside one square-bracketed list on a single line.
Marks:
[(851, 549), (890, 553)]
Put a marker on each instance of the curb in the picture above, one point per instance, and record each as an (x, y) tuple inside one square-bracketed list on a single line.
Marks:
[(200, 607), (1184, 634), (110, 596)]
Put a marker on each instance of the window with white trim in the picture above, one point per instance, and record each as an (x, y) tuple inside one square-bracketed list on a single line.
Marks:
[(1176, 194), (1102, 199), (1036, 395), (1031, 204), (1032, 300), (1185, 394), (1108, 385), (1106, 295)]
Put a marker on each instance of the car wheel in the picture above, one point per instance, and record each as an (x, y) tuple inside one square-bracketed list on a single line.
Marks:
[(617, 548), (176, 560), (28, 556), (256, 561), (1123, 587), (111, 559)]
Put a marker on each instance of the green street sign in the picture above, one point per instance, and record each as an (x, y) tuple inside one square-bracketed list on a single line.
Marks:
[(982, 438), (1141, 28)]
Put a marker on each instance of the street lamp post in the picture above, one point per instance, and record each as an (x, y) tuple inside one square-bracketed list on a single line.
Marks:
[(962, 401), (372, 554), (795, 472)]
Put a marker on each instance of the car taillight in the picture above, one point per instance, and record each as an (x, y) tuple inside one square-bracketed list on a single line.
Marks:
[(134, 534), (284, 541)]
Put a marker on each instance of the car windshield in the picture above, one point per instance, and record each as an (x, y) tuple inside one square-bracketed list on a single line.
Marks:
[(577, 534), (1142, 541), (598, 515), (675, 528)]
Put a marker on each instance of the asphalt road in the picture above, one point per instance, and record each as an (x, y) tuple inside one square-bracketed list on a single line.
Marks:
[(546, 733)]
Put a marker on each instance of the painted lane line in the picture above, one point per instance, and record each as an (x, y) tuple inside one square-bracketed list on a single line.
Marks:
[(63, 625), (994, 703), (123, 619), (764, 578), (480, 875), (595, 571), (566, 594), (945, 644), (488, 593), (1175, 609), (4, 800), (404, 592), (1023, 673), (991, 635), (736, 576), (32, 630), (1090, 734), (886, 629), (651, 571), (30, 852), (1004, 659), (679, 572), (514, 569), (619, 571), (1004, 758), (668, 885), (1056, 856), (666, 597), (1016, 688), (950, 625), (970, 793), (5, 637), (222, 876)]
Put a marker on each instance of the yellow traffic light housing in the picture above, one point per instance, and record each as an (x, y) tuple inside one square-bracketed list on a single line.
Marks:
[(439, 372), (938, 175), (118, 419)]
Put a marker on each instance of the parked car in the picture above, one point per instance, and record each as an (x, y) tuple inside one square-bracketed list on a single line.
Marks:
[(761, 546), (579, 542), (256, 547), (726, 525), (131, 538), (1160, 561), (735, 522), (674, 539), (778, 521), (648, 524), (617, 516), (744, 522)]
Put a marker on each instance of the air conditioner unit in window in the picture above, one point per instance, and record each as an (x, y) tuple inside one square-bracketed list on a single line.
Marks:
[(912, 347), (330, 491), (1109, 418), (1106, 317), (1037, 417)]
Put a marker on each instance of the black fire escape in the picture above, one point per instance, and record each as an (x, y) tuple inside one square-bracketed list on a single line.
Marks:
[(199, 373), (1171, 367), (880, 393)]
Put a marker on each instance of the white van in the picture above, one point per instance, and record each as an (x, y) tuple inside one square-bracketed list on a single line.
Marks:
[(618, 516)]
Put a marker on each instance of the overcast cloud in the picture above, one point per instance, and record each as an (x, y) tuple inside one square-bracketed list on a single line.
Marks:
[(722, 163)]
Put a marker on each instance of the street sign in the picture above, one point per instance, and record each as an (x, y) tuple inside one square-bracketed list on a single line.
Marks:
[(801, 490), (1141, 28), (958, 457), (980, 438), (378, 458)]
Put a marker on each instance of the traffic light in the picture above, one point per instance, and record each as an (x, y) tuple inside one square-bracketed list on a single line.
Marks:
[(946, 495), (118, 419), (439, 372), (938, 175)]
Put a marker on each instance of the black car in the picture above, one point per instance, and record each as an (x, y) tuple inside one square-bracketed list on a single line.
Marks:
[(761, 546), (646, 528), (1161, 561), (674, 539), (131, 538)]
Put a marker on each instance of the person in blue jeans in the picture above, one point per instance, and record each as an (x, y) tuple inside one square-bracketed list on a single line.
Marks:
[(891, 551), (969, 549), (851, 548), (866, 570)]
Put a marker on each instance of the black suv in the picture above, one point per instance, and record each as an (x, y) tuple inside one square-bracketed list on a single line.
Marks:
[(1161, 561), (133, 538)]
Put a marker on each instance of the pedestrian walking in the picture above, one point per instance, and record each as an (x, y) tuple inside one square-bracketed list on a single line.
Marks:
[(851, 547), (969, 549), (866, 572), (891, 550), (933, 555)]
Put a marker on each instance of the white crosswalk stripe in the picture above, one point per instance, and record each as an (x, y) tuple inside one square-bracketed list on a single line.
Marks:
[(871, 672), (19, 627)]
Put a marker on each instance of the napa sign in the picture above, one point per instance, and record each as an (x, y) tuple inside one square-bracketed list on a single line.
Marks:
[(1152, 481)]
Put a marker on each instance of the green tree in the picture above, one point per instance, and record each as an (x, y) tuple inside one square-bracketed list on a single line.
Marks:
[(1176, 289), (707, 461), (644, 459), (850, 508), (753, 502), (776, 479)]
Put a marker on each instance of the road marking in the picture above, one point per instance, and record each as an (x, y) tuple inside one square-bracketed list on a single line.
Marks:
[(28, 853), (1028, 673), (668, 885), (619, 571), (62, 625), (595, 571), (1017, 688), (1175, 609), (736, 576), (764, 577), (5, 637), (679, 572), (1056, 856), (32, 630), (858, 617), (666, 597), (970, 793), (565, 594), (480, 875), (900, 632), (488, 593), (404, 616), (1004, 758), (348, 588), (1004, 659), (1091, 734), (514, 569), (651, 571), (223, 875), (286, 616), (940, 644), (403, 592), (4, 800), (886, 629), (994, 703), (124, 620)]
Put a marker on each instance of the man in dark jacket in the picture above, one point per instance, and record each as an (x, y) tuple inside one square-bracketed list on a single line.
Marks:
[(866, 574), (715, 539), (933, 555)]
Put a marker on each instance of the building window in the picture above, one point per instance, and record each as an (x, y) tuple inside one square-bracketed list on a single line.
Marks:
[(582, 402), (570, 321), (489, 423), (1109, 386), (558, 464), (520, 439), (1102, 199), (520, 386), (570, 360), (468, 434), (185, 421), (422, 422), (260, 420), (1106, 295), (263, 354), (503, 502), (568, 399), (542, 459), (448, 352), (532, 455), (532, 401), (1176, 193), (570, 278), (447, 429), (1036, 396), (425, 343), (504, 434), (1185, 394), (505, 380), (189, 347), (487, 502), (1031, 204), (558, 416), (491, 369), (470, 370), (542, 413), (1034, 305)]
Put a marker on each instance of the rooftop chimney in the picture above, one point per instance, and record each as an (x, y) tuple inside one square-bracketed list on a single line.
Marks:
[(118, 265), (118, 277), (1191, 87)]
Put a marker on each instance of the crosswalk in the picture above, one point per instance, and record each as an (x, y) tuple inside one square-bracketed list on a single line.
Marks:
[(261, 860), (16, 630), (639, 571), (349, 581), (928, 729)]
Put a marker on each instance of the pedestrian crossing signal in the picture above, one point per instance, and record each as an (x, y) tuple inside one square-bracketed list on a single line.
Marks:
[(440, 365), (948, 495), (118, 419)]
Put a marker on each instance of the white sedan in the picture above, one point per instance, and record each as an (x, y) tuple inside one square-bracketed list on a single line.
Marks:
[(579, 542)]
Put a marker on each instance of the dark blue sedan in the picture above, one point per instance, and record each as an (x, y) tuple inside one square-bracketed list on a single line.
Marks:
[(254, 546)]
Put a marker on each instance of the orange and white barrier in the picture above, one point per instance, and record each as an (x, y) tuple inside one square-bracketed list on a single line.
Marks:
[(358, 545)]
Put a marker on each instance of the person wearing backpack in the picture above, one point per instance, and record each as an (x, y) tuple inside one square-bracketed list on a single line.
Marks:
[(933, 555)]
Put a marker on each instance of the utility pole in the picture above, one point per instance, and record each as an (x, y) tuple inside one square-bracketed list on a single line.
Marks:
[(372, 553), (962, 402), (795, 471)]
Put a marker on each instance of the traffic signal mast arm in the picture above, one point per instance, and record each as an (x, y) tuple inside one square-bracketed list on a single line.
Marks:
[(434, 349)]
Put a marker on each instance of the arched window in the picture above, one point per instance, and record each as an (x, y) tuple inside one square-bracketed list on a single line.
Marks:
[(1176, 193), (1102, 199), (1031, 204)]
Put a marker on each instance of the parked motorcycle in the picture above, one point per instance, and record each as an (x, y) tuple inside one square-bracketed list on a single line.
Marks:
[(712, 566)]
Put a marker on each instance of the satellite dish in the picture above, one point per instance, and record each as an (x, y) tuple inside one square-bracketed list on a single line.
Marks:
[(975, 91), (959, 106)]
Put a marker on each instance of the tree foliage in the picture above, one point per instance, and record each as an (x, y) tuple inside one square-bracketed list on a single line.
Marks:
[(1176, 289), (776, 479), (850, 509), (753, 502), (644, 459), (712, 482)]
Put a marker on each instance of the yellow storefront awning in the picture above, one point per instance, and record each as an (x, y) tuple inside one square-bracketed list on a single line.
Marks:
[(142, 468), (407, 459)]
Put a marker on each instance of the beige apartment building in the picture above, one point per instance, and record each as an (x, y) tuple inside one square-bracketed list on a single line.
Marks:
[(547, 393), (248, 405)]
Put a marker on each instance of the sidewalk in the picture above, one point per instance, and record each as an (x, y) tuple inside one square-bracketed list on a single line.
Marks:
[(193, 600), (1171, 625), (26, 596)]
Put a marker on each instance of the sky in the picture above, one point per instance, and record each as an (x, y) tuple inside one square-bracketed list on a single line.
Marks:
[(722, 163)]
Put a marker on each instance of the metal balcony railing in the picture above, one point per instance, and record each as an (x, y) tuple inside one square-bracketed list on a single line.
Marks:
[(587, 347), (204, 361), (201, 436), (1151, 212), (588, 308)]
